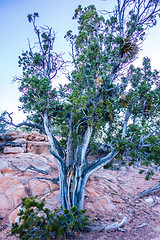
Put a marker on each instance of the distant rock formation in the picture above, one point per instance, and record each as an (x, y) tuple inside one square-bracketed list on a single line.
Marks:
[(21, 142)]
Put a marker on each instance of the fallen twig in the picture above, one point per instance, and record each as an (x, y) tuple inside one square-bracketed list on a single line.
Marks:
[(142, 225)]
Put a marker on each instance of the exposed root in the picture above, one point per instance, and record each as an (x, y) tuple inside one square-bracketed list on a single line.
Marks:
[(148, 192)]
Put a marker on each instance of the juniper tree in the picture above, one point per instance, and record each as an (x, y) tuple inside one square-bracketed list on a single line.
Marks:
[(105, 95)]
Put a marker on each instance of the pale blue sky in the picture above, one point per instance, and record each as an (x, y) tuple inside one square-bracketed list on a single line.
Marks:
[(15, 31)]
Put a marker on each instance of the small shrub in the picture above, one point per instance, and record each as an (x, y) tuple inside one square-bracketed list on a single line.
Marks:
[(37, 222), (149, 174)]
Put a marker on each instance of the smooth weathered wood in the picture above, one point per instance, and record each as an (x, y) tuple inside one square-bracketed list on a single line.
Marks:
[(148, 192), (112, 227)]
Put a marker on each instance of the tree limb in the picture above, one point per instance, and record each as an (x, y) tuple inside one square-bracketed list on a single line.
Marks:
[(98, 163), (21, 124)]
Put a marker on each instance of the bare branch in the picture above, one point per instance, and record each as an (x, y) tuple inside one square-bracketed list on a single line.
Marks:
[(142, 138), (112, 227), (21, 124)]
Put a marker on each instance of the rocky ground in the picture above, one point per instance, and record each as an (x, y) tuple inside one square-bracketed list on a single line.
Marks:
[(27, 169)]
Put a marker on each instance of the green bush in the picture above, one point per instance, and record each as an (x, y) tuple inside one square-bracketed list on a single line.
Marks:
[(37, 222)]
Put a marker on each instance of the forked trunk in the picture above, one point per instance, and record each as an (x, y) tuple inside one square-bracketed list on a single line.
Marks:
[(74, 170), (73, 181)]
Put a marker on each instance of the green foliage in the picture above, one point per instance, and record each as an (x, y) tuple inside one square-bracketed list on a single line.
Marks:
[(121, 146), (37, 222), (142, 140), (40, 65), (31, 17), (109, 166), (149, 175), (2, 127)]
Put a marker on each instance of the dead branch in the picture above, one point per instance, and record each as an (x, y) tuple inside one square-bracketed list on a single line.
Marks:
[(142, 225), (148, 192), (112, 227), (2, 119)]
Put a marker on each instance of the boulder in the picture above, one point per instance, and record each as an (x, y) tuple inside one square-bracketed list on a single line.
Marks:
[(8, 172), (13, 217), (11, 191), (32, 161), (3, 163)]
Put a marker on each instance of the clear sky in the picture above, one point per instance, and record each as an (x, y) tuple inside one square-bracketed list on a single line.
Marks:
[(15, 31)]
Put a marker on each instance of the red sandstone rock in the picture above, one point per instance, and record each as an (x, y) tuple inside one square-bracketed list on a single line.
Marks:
[(8, 172), (38, 187), (92, 191), (38, 147), (8, 150), (35, 136), (6, 204), (13, 189), (13, 216), (30, 161)]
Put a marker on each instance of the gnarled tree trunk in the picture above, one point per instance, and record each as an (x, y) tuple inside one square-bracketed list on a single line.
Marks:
[(74, 170), (73, 180)]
